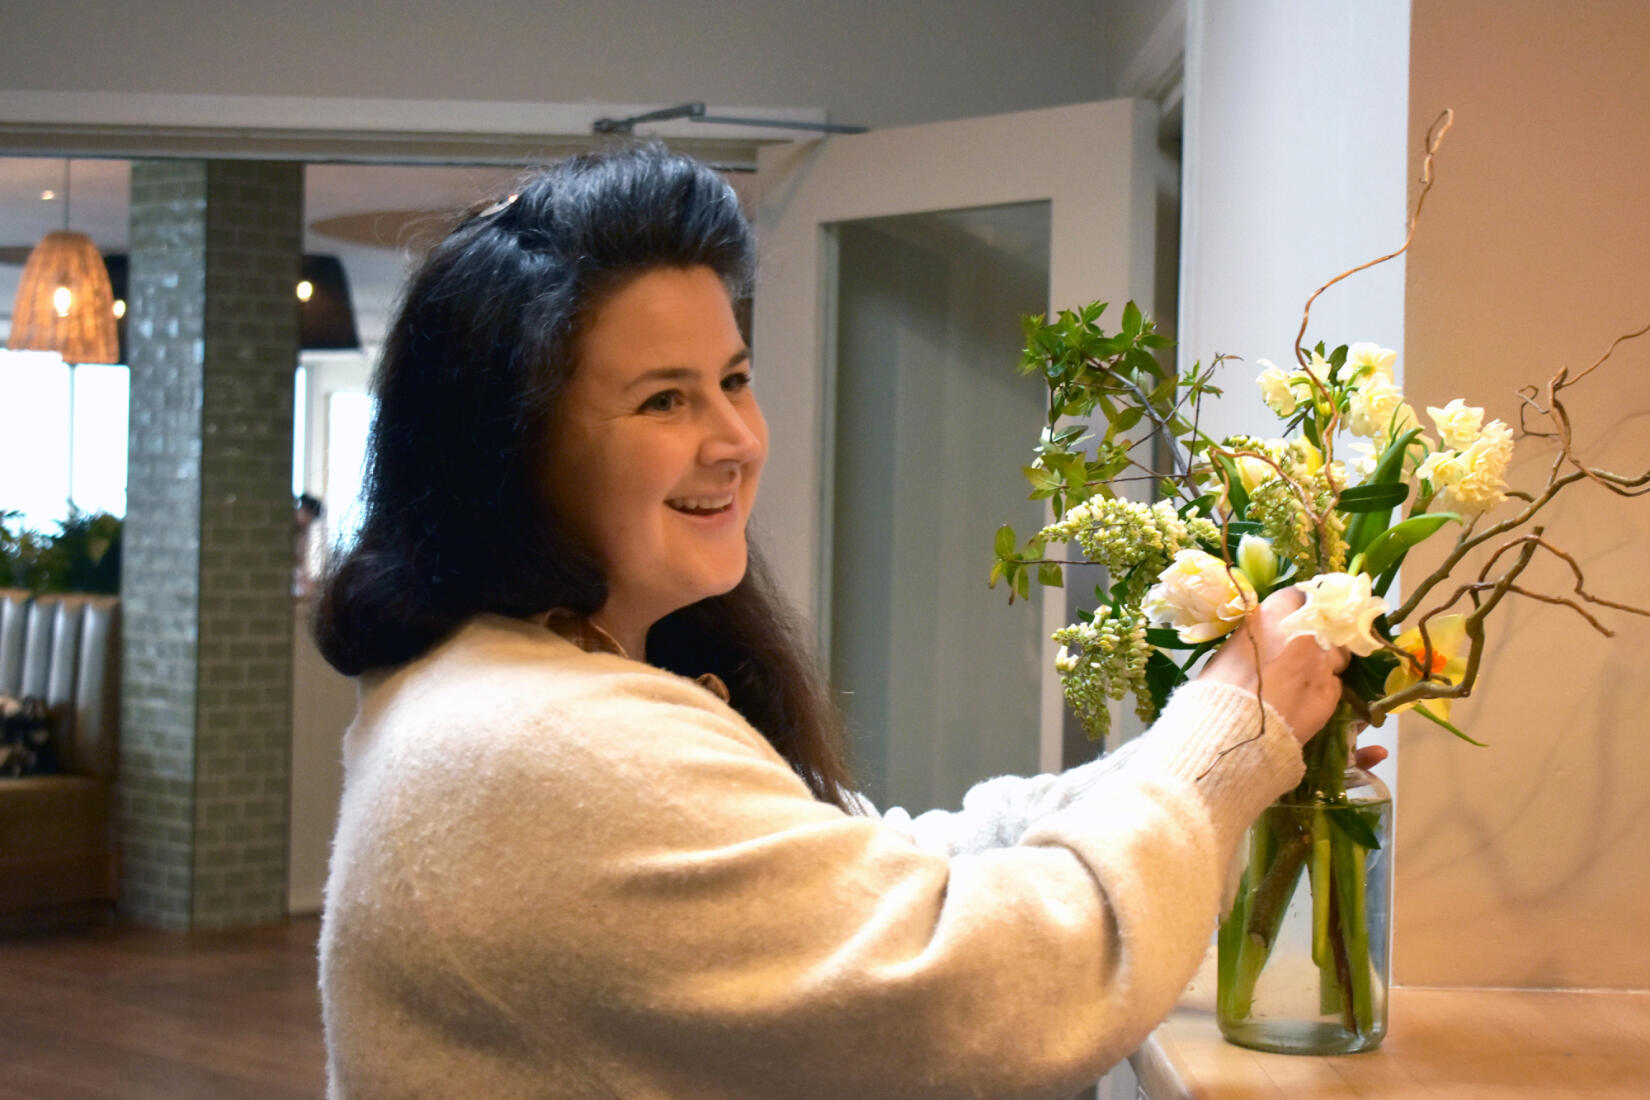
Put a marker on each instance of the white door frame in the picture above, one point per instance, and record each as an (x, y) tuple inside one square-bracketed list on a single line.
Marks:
[(1063, 155)]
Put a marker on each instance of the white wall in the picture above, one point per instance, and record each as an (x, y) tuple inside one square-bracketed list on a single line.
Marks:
[(1295, 145)]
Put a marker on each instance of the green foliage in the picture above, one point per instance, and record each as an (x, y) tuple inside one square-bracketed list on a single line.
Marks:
[(1388, 548), (83, 556), (1087, 370), (1372, 498), (1435, 720), (1389, 469), (1356, 825)]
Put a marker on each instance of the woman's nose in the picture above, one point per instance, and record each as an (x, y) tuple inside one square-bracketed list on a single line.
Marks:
[(737, 432)]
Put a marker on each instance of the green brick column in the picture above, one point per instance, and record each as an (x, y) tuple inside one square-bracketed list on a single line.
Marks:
[(206, 583)]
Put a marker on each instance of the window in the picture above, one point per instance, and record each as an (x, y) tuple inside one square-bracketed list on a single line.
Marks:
[(66, 440)]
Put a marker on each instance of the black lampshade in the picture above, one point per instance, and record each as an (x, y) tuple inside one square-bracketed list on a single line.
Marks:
[(325, 322)]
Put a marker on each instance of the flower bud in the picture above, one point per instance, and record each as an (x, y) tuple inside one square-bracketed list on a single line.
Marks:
[(1258, 562)]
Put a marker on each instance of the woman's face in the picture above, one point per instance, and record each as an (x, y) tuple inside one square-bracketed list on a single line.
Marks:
[(658, 444)]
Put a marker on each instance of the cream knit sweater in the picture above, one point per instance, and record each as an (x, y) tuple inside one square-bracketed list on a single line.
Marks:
[(565, 874)]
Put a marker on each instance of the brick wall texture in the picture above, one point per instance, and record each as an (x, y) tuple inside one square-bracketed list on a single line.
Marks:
[(206, 722)]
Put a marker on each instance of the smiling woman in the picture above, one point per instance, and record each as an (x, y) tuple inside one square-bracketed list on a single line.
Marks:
[(660, 426), (597, 837)]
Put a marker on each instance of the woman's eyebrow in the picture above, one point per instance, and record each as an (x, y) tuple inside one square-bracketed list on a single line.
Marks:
[(683, 374)]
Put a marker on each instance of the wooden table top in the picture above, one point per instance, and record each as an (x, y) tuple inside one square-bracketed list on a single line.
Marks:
[(1454, 1043)]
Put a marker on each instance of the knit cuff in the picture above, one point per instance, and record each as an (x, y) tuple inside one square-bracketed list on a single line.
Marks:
[(1237, 751)]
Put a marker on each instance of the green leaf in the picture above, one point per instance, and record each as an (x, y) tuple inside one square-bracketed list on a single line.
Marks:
[(996, 573), (1367, 675), (1309, 428), (1356, 825), (1022, 584), (1431, 717), (1389, 469), (1131, 319), (1202, 506), (1372, 498), (1127, 418), (1388, 548), (1234, 488), (1049, 575), (1039, 477), (1005, 541), (1161, 637), (1163, 392), (1162, 677)]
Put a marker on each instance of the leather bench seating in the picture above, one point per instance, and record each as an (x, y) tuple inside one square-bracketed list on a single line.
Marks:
[(58, 857)]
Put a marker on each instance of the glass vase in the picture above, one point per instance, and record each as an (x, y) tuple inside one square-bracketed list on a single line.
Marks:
[(1304, 953)]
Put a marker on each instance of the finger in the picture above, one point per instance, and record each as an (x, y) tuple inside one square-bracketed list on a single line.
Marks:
[(1284, 600), (1339, 658), (1368, 756)]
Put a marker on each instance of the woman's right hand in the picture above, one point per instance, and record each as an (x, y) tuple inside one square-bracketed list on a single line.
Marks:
[(1296, 676)]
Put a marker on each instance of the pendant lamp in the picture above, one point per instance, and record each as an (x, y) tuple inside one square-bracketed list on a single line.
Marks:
[(64, 302)]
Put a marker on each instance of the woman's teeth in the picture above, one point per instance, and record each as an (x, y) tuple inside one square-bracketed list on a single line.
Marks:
[(701, 505)]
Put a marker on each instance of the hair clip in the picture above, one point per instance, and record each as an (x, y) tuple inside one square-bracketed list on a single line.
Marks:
[(497, 206)]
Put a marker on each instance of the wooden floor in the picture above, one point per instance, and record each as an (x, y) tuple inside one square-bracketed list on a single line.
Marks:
[(133, 1014)]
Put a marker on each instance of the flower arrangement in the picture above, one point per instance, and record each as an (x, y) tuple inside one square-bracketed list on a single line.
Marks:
[(1331, 499)]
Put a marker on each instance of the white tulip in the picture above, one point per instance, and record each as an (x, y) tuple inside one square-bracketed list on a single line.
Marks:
[(1201, 596)]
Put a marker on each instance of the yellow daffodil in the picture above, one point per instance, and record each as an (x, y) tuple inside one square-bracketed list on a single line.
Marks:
[(1450, 644)]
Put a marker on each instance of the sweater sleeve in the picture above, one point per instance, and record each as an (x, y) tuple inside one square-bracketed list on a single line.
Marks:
[(996, 813), (639, 883)]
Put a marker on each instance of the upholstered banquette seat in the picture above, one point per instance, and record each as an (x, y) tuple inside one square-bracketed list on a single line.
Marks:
[(58, 856)]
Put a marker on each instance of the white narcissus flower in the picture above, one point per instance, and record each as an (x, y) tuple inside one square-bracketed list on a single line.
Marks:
[(1458, 423), (1375, 409), (1200, 596), (1318, 367), (1366, 360), (1339, 610), (1274, 389), (1472, 481), (1363, 464)]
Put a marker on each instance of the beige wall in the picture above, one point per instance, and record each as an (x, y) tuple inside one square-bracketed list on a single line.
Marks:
[(1528, 863)]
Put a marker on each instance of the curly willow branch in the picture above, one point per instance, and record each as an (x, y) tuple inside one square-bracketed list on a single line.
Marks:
[(1435, 138)]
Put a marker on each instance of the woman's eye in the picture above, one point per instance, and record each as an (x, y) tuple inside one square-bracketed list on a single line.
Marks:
[(664, 401), (739, 380)]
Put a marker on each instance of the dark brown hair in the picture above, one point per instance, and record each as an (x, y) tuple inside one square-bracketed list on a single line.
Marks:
[(455, 518)]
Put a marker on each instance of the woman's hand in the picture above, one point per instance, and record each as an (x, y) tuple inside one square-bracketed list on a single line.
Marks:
[(1296, 676)]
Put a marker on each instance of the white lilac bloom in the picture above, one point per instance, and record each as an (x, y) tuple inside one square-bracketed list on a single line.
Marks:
[(1200, 596), (1339, 611), (1458, 423)]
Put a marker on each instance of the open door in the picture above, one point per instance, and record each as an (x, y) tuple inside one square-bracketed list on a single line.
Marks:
[(895, 268)]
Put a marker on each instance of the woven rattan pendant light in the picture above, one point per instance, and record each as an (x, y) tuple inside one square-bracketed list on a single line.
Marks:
[(64, 303)]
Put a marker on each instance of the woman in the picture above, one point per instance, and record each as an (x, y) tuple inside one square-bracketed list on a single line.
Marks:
[(597, 838)]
